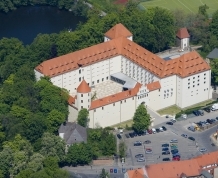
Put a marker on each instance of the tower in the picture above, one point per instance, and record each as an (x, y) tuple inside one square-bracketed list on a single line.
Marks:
[(83, 96)]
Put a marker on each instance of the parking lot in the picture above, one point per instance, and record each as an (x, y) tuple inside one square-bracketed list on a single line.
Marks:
[(187, 148)]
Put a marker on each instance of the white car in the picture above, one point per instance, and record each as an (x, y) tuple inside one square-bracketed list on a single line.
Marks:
[(203, 150), (161, 129), (174, 141), (184, 116)]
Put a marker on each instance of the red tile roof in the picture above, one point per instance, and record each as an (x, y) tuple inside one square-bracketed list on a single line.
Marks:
[(153, 86), (138, 173), (119, 30), (186, 65), (173, 169), (71, 100), (115, 98), (83, 87), (183, 33)]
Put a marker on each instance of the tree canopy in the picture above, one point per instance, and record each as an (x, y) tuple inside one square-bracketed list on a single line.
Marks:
[(82, 118), (141, 119)]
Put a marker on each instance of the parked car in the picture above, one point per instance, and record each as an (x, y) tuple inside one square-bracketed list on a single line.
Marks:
[(149, 131), (165, 153), (147, 142), (161, 129), (184, 135), (169, 123), (207, 109), (196, 113), (131, 135), (141, 160), (174, 147), (191, 138), (166, 159), (174, 141), (165, 145), (201, 112), (209, 121), (175, 151), (165, 149), (138, 143), (192, 128), (173, 120), (184, 116), (213, 120), (217, 118), (176, 155), (203, 150), (153, 131), (164, 128), (119, 136), (139, 156), (148, 150), (157, 130), (127, 135), (176, 159)]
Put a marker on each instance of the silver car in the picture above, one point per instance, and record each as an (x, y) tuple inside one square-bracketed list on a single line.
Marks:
[(174, 141), (141, 160)]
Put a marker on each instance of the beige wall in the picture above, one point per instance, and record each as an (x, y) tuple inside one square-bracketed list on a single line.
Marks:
[(155, 100), (38, 75), (73, 113), (111, 115)]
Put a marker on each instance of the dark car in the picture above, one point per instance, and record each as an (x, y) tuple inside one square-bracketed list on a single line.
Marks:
[(165, 153), (164, 128), (174, 151), (209, 121), (127, 135), (157, 130), (196, 112), (208, 109), (217, 118), (184, 135), (147, 142), (137, 143), (119, 136), (169, 123), (166, 159), (165, 149), (191, 138), (139, 156), (131, 135), (165, 145)]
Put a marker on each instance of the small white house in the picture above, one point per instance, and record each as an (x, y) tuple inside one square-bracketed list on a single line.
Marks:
[(182, 38)]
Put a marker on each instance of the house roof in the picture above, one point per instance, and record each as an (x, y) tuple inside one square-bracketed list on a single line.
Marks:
[(213, 54), (83, 87), (183, 33), (186, 65), (173, 169), (71, 100), (117, 31), (207, 159), (114, 98), (138, 173), (68, 130), (153, 86)]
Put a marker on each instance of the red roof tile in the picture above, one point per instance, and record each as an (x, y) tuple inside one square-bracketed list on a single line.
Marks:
[(83, 87), (71, 100), (119, 30), (153, 86), (138, 173), (115, 98), (186, 65), (183, 33)]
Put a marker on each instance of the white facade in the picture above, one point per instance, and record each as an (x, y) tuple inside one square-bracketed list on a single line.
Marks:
[(172, 89), (184, 43)]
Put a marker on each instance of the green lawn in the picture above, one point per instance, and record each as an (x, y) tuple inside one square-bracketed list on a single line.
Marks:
[(189, 6), (172, 110)]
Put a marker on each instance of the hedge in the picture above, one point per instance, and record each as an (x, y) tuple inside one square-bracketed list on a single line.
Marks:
[(190, 111)]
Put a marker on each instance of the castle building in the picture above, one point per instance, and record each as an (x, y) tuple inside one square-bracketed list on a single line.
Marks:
[(112, 78)]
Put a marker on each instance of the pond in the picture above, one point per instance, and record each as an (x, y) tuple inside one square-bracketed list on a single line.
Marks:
[(26, 22)]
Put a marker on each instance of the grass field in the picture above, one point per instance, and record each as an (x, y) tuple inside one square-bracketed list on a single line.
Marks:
[(188, 6)]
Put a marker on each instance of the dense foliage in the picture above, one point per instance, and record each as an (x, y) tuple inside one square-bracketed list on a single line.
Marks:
[(78, 7), (141, 119), (82, 118)]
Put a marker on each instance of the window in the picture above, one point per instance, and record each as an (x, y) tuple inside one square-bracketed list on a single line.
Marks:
[(204, 78), (80, 79), (193, 77), (79, 71), (97, 81), (107, 78), (132, 98), (189, 79), (198, 84), (193, 81), (204, 82), (188, 83), (94, 110), (88, 100), (114, 104), (120, 102), (81, 101), (198, 80), (198, 76), (81, 95), (205, 74), (188, 87), (81, 107), (102, 79), (125, 101), (93, 83), (102, 108), (193, 85)]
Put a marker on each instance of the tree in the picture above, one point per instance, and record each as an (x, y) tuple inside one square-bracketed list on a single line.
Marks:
[(55, 118), (141, 119), (214, 24), (82, 118), (203, 10), (36, 162), (52, 145), (104, 174), (214, 72), (122, 149)]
